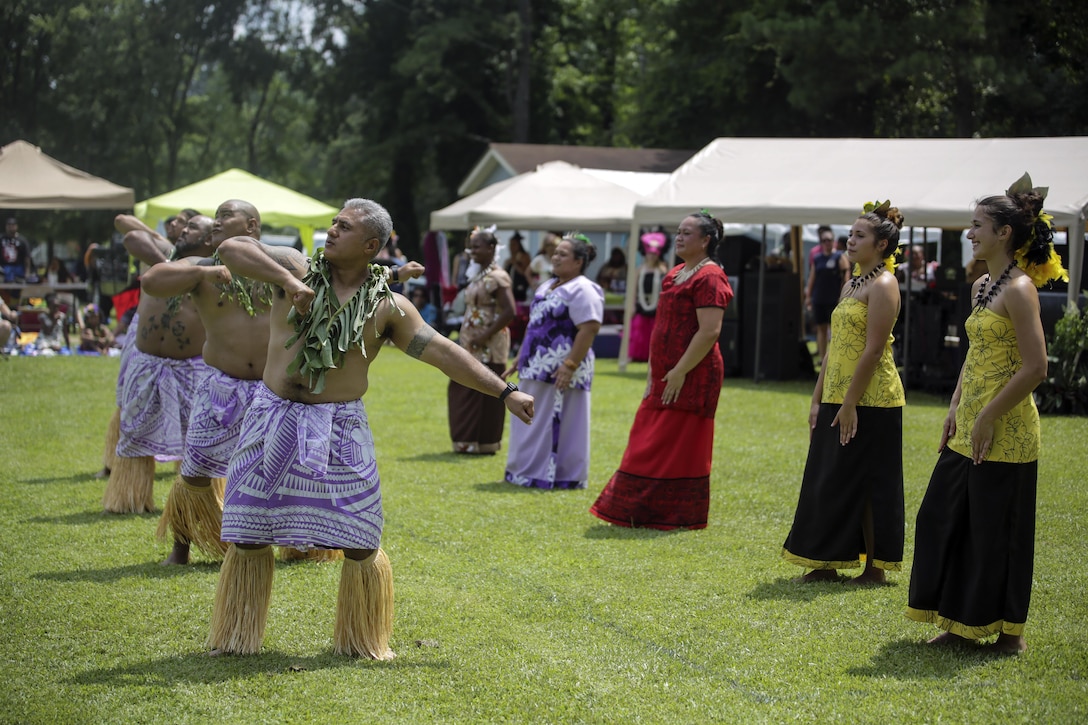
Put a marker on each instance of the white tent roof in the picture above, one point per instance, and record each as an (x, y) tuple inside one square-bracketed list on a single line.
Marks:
[(934, 182), (555, 196)]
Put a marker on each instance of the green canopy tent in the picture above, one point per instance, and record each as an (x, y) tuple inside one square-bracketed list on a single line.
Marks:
[(278, 205)]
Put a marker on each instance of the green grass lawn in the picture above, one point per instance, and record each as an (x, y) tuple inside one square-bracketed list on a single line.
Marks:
[(512, 604)]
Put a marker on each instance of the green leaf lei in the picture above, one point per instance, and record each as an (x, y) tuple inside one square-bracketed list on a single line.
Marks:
[(244, 290), (330, 329)]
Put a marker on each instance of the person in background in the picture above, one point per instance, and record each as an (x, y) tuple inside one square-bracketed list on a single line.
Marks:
[(653, 246), (540, 268), (9, 324), (851, 499), (827, 271), (53, 327), (56, 272), (427, 310), (663, 481), (975, 534), (612, 276), (517, 266), (94, 337), (555, 366), (14, 253), (476, 419)]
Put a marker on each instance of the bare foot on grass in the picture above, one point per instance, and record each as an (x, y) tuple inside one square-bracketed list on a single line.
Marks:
[(104, 473), (1007, 644), (818, 575), (870, 577), (947, 639)]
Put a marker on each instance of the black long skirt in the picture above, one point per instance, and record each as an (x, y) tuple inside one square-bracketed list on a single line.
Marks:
[(840, 483), (975, 547)]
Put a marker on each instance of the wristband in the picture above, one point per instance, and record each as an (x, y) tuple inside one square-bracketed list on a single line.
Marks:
[(510, 387), (396, 274)]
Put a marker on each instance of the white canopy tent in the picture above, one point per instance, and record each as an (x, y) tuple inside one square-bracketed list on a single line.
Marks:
[(557, 195), (934, 182)]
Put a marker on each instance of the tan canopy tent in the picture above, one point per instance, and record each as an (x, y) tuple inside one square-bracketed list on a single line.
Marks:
[(809, 181), (30, 179), (279, 206)]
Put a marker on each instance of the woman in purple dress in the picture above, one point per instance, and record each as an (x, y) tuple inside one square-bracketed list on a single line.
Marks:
[(555, 366)]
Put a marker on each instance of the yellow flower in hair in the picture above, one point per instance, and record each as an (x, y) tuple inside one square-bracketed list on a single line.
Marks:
[(889, 261)]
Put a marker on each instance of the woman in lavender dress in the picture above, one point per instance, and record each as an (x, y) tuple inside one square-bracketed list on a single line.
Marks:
[(555, 366)]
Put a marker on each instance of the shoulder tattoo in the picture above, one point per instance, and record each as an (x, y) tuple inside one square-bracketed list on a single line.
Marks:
[(419, 342)]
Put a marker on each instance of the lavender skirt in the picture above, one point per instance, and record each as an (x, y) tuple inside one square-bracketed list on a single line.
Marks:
[(303, 476)]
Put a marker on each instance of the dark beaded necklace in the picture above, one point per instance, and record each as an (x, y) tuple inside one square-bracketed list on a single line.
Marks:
[(857, 283), (982, 300)]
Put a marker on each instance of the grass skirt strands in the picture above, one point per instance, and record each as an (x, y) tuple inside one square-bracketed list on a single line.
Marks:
[(195, 515), (290, 553), (131, 486), (113, 433), (364, 608), (975, 547), (242, 597), (839, 483), (659, 484)]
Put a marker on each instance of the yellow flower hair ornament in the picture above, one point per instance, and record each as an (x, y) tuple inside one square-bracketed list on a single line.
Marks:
[(1040, 274)]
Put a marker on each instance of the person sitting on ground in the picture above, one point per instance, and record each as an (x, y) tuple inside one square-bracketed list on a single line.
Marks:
[(93, 335), (53, 333)]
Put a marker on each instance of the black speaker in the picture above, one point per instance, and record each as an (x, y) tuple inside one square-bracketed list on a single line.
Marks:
[(735, 253), (781, 325), (729, 344)]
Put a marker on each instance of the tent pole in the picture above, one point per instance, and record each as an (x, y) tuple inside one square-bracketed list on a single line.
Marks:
[(759, 304), (1074, 237), (629, 294)]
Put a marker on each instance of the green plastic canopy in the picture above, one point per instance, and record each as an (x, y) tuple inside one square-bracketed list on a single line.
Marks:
[(278, 205)]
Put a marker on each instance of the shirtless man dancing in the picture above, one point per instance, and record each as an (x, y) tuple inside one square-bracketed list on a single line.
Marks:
[(304, 472), (160, 375)]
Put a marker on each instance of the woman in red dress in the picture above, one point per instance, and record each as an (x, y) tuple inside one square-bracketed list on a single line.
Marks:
[(659, 484)]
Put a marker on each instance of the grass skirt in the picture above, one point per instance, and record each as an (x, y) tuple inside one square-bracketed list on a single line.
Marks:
[(364, 608), (242, 597), (131, 486), (195, 515)]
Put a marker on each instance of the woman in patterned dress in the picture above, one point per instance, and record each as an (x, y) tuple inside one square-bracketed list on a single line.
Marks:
[(476, 420), (663, 481), (555, 366), (974, 553), (851, 500)]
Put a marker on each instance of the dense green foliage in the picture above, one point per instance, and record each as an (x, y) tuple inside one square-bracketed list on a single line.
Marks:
[(1065, 389), (396, 99), (512, 605)]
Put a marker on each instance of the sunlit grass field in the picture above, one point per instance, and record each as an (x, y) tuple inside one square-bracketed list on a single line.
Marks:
[(512, 605)]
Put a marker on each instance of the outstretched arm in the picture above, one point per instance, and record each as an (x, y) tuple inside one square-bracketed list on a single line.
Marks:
[(419, 340), (171, 279), (126, 223)]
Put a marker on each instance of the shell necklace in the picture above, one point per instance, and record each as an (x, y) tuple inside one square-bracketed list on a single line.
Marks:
[(856, 283), (684, 274), (648, 301), (982, 300)]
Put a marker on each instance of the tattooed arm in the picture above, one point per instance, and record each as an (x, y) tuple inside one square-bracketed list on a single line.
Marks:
[(419, 340), (281, 266)]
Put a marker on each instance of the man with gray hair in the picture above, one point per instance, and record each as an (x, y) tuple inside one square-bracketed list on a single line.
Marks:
[(304, 473)]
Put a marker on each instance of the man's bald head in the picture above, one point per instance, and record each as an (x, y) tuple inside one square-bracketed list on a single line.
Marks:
[(236, 218)]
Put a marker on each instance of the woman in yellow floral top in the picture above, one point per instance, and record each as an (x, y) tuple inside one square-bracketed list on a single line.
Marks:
[(974, 552), (476, 420), (851, 500)]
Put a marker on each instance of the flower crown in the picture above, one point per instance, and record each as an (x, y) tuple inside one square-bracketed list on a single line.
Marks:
[(885, 210), (577, 237)]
